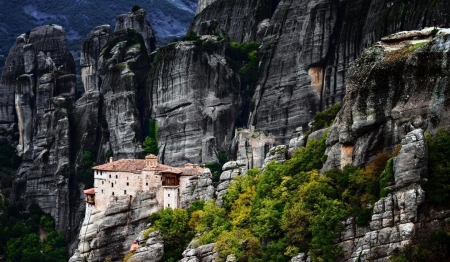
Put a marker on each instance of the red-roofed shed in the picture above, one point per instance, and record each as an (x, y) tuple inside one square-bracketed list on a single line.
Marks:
[(90, 195)]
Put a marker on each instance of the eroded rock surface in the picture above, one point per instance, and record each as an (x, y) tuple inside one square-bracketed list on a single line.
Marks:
[(231, 170), (307, 50), (278, 154), (150, 248), (110, 233), (137, 20), (238, 20), (198, 188), (251, 146), (203, 253), (389, 95), (194, 96), (39, 83), (395, 218)]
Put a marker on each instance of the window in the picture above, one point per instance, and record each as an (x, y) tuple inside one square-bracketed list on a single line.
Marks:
[(102, 190), (128, 184), (103, 182), (109, 176), (112, 185), (113, 194), (168, 195), (116, 176), (168, 205), (124, 192), (146, 184)]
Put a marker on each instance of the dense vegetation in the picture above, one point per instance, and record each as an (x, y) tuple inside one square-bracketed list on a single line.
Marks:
[(435, 248), (9, 162), (325, 119), (150, 144), (287, 209), (243, 58), (84, 170), (438, 185), (29, 236), (216, 167)]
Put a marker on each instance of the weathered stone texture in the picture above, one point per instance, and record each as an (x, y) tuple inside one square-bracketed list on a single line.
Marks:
[(194, 95), (278, 154), (203, 253), (110, 233), (39, 82), (152, 249), (307, 50), (198, 188), (238, 19), (138, 21), (231, 170), (388, 96), (395, 217), (251, 146)]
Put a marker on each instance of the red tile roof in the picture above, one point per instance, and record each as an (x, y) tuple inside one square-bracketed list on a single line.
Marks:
[(90, 191), (137, 165), (122, 165)]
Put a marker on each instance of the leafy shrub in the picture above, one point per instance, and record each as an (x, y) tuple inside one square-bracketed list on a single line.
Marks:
[(438, 185), (174, 227), (387, 177), (191, 36), (22, 240), (132, 38), (325, 119), (150, 144), (243, 58), (135, 8), (435, 248), (127, 257), (84, 171)]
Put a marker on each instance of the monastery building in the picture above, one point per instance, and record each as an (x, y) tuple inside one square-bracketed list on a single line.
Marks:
[(128, 177)]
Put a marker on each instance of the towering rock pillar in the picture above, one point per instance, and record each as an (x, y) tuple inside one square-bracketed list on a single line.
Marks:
[(40, 73)]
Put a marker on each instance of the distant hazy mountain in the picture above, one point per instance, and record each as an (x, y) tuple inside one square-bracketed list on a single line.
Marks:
[(169, 18)]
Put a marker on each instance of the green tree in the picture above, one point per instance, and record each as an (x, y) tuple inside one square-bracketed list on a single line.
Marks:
[(175, 230), (438, 185), (150, 144), (325, 119)]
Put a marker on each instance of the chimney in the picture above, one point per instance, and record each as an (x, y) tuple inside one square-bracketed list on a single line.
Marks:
[(110, 159)]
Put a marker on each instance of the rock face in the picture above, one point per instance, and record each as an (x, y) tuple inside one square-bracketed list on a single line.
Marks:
[(110, 233), (194, 96), (198, 188), (39, 84), (239, 20), (278, 154), (231, 170), (388, 95), (306, 53), (395, 218), (203, 253), (202, 4), (152, 249), (251, 146), (114, 67), (138, 21)]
